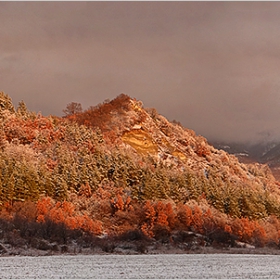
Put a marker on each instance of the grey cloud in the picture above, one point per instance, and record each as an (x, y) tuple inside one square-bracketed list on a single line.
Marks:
[(213, 66)]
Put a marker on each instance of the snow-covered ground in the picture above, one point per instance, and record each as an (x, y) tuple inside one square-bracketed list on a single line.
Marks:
[(199, 266)]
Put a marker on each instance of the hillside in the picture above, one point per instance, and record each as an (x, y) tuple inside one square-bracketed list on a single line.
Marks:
[(120, 173)]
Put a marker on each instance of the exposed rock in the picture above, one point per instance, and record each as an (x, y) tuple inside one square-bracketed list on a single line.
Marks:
[(244, 245)]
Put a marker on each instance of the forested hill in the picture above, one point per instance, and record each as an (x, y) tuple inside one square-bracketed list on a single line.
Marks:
[(119, 168)]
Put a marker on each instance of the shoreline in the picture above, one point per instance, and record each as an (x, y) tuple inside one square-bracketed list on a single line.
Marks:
[(160, 250)]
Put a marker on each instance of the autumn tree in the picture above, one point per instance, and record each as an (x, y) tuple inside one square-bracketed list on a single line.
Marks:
[(73, 108)]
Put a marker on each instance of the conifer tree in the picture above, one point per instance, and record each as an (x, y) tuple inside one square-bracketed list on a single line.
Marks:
[(6, 103), (22, 110)]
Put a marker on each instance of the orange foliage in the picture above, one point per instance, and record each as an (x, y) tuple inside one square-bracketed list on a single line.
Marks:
[(51, 164), (118, 203), (150, 216), (184, 215), (202, 149), (197, 220), (100, 115), (26, 130), (102, 193), (228, 229), (65, 213), (25, 210), (43, 208), (85, 190), (161, 216), (247, 230), (158, 214), (171, 216), (121, 204), (110, 136), (6, 211), (149, 212), (87, 224)]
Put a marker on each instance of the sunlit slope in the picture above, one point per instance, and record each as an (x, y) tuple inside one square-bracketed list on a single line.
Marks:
[(121, 144), (200, 170)]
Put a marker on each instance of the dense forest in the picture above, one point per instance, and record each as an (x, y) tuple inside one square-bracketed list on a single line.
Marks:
[(119, 172)]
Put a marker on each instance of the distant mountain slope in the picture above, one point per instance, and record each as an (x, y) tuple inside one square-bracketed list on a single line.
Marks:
[(264, 153)]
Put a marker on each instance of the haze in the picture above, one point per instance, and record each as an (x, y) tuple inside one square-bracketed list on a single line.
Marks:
[(213, 66)]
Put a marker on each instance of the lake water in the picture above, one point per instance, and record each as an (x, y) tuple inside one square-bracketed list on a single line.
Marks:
[(162, 266)]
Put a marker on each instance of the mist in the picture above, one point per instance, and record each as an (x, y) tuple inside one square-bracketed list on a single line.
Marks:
[(213, 66)]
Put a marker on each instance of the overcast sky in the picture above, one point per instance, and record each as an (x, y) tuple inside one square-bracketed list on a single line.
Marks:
[(213, 66)]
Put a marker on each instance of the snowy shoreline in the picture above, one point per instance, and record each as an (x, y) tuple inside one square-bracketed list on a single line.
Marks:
[(157, 266), (159, 250)]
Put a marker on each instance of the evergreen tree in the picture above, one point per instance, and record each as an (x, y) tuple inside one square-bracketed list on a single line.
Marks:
[(6, 103), (22, 110)]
